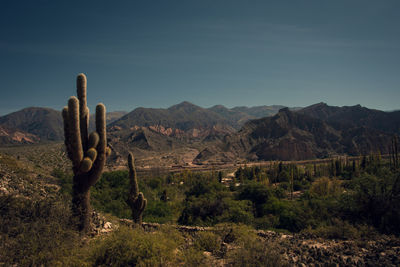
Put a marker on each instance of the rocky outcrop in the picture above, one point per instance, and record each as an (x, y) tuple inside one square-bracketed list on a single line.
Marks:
[(13, 136)]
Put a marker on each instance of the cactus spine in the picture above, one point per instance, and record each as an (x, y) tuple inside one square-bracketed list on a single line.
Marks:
[(87, 152), (136, 200)]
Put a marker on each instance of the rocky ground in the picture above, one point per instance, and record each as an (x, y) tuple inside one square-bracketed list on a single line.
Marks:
[(303, 250), (19, 179)]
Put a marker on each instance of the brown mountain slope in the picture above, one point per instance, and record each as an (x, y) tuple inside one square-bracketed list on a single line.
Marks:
[(45, 123), (13, 136), (295, 136), (357, 115), (184, 116), (36, 124)]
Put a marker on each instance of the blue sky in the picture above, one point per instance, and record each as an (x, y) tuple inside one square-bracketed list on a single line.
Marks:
[(235, 53)]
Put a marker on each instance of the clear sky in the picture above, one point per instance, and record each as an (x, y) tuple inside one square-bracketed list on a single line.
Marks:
[(156, 53)]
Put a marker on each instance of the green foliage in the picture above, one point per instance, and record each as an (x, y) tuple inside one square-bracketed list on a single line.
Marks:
[(249, 249), (369, 196), (155, 183), (65, 181), (110, 194), (230, 232), (337, 229), (158, 212), (208, 241), (325, 187), (209, 202), (375, 200), (254, 252), (134, 247), (257, 193), (193, 257)]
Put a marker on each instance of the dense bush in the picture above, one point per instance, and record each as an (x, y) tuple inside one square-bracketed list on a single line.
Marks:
[(134, 247), (375, 200), (208, 203), (110, 194), (208, 241), (248, 248)]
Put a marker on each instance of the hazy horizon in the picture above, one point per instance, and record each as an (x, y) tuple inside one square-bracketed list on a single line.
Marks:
[(142, 54)]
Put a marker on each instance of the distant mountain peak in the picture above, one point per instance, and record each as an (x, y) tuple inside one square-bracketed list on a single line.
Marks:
[(318, 105), (284, 110), (218, 107), (183, 104)]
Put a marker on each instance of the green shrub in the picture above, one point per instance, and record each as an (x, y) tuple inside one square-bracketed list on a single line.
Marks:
[(208, 202), (134, 247), (193, 257), (109, 194), (374, 200), (269, 221), (338, 229), (248, 248), (155, 183), (325, 187), (65, 181), (215, 208), (230, 232), (207, 241), (158, 212), (255, 252)]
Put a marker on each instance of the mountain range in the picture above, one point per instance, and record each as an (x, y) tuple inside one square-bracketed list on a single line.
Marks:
[(46, 124), (186, 116), (222, 134)]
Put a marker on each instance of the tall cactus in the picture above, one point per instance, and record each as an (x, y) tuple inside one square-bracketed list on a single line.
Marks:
[(87, 152), (136, 200)]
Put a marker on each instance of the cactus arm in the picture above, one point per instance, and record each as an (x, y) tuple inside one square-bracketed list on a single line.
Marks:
[(93, 140), (136, 199), (100, 160), (66, 132), (132, 176), (144, 205), (81, 85), (101, 128), (74, 133), (141, 202)]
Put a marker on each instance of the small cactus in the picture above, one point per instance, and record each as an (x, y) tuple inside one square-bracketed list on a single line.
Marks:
[(136, 200), (87, 152)]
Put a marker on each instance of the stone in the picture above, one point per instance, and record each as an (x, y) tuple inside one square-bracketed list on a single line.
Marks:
[(107, 225)]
